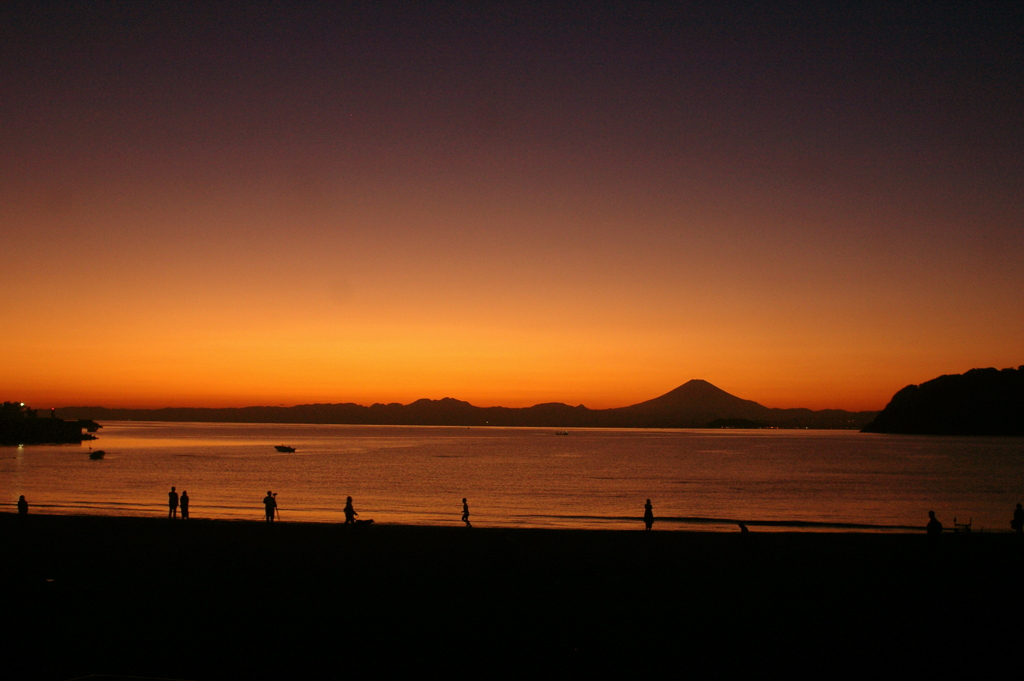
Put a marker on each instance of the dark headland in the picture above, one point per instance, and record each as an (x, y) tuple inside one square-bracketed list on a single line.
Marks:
[(218, 600), (979, 402), (695, 404), (21, 425)]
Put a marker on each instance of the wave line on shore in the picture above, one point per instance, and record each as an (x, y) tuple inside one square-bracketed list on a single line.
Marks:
[(700, 520)]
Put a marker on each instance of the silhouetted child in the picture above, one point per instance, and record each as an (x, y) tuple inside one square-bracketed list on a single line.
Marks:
[(350, 513), (1017, 523), (172, 504), (934, 527), (23, 506), (184, 505), (648, 514), (465, 512), (269, 505)]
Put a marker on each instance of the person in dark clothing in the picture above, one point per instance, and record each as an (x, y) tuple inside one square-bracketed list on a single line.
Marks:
[(184, 505), (1017, 523), (465, 512), (23, 506), (934, 527), (350, 513), (269, 505), (172, 504), (648, 514)]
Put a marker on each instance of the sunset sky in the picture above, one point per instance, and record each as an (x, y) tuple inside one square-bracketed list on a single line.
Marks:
[(206, 204)]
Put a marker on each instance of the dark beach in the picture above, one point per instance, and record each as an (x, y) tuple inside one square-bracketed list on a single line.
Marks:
[(204, 599)]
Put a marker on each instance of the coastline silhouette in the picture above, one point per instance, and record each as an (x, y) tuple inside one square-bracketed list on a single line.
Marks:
[(648, 515), (465, 512), (172, 504)]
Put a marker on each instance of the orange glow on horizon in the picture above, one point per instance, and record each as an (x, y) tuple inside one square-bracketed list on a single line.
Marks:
[(149, 322)]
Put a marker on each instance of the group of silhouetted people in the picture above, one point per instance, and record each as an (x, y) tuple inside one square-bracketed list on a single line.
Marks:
[(934, 527), (174, 501)]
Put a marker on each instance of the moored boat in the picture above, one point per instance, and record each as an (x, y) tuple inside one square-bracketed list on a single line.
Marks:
[(284, 448), (96, 455)]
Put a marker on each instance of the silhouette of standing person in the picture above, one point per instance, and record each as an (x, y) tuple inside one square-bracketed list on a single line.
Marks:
[(269, 504), (465, 512), (350, 513), (1017, 523), (648, 514), (934, 527), (184, 505), (23, 506), (172, 504)]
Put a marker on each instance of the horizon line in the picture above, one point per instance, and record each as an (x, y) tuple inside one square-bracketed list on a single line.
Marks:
[(456, 399)]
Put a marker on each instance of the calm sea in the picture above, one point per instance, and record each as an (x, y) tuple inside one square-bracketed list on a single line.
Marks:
[(528, 477)]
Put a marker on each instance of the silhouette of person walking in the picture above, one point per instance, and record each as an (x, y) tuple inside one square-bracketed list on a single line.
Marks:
[(172, 504), (184, 505), (648, 515), (934, 527), (1017, 523), (465, 512), (23, 506), (270, 505), (350, 513)]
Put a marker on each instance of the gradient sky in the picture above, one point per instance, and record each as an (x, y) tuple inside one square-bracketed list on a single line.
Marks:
[(262, 204)]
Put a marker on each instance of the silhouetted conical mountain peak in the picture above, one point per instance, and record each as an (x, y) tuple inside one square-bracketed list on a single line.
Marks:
[(699, 393), (695, 403), (696, 388)]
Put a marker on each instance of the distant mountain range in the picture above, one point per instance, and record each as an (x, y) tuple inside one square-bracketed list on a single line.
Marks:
[(979, 402), (695, 404)]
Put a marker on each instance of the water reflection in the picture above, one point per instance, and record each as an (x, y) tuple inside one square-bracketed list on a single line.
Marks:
[(529, 477)]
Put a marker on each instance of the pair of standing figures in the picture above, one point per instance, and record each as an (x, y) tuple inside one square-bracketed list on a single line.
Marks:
[(173, 501)]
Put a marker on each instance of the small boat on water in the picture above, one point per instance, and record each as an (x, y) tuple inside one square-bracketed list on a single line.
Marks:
[(97, 455), (561, 432), (284, 448)]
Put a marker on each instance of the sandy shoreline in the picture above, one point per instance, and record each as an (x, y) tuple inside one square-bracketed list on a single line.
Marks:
[(613, 523), (213, 599)]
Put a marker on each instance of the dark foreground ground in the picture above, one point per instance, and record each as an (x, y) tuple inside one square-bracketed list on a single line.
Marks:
[(232, 600)]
